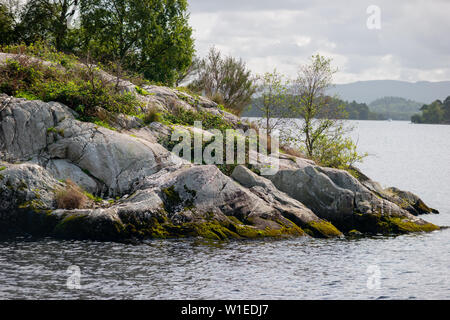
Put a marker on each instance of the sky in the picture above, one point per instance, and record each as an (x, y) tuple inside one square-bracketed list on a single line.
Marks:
[(412, 42)]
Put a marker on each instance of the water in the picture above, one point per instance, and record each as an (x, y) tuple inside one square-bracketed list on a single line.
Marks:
[(412, 157)]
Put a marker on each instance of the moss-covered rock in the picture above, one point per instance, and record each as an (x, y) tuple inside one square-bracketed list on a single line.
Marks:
[(388, 224), (408, 201), (321, 229)]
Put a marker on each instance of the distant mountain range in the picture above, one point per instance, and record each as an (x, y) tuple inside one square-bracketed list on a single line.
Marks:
[(369, 91)]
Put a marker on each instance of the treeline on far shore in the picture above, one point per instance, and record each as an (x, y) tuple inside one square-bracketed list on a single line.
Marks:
[(352, 111), (437, 112), (395, 108)]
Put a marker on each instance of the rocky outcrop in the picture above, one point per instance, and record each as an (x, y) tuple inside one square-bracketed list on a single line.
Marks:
[(45, 132), (148, 192), (287, 206), (404, 199), (338, 197)]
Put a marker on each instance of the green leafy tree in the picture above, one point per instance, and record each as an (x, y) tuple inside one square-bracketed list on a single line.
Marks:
[(435, 112), (151, 37), (446, 108), (47, 20), (224, 79), (272, 102), (320, 134), (7, 24)]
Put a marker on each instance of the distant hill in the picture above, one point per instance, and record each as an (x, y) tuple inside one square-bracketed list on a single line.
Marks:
[(395, 108), (368, 91)]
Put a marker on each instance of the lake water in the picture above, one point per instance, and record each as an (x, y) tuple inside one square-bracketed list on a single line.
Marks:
[(411, 157)]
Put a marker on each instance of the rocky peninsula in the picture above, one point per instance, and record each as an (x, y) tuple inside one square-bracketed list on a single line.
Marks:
[(138, 189)]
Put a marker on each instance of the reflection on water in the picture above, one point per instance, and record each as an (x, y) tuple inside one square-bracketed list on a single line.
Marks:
[(413, 157)]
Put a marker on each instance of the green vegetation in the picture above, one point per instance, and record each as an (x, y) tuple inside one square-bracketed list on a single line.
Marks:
[(394, 108), (386, 224), (320, 135), (6, 24), (141, 91), (186, 117), (209, 230), (225, 80), (76, 85), (437, 112), (321, 229), (399, 225), (149, 37), (152, 115), (273, 102), (151, 40), (381, 109), (349, 110), (146, 36)]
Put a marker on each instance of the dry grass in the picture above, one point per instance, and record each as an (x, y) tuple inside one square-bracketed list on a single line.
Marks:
[(292, 152), (284, 148), (218, 98), (71, 197)]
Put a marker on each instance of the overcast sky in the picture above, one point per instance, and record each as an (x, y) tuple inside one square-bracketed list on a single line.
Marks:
[(413, 43)]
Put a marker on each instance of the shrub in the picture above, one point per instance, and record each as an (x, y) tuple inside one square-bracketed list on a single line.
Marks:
[(78, 86), (339, 152), (40, 49), (225, 79), (185, 117), (152, 115), (142, 91), (71, 197)]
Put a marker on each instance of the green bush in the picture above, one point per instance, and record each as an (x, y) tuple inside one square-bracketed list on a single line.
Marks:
[(43, 51), (338, 152), (152, 115), (75, 85), (186, 117)]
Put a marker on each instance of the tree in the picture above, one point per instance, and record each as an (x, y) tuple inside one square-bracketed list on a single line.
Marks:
[(273, 102), (151, 37), (6, 24), (48, 20), (227, 78), (435, 112), (320, 133), (446, 108)]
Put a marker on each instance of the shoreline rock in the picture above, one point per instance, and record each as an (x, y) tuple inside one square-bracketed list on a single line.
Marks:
[(155, 194)]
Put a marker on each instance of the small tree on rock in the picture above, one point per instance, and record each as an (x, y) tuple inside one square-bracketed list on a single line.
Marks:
[(320, 134)]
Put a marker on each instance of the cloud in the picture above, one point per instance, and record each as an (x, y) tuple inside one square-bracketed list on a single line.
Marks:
[(411, 45)]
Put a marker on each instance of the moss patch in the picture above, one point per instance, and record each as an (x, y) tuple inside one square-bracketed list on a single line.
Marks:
[(172, 198), (162, 228), (321, 229), (382, 224), (400, 225)]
